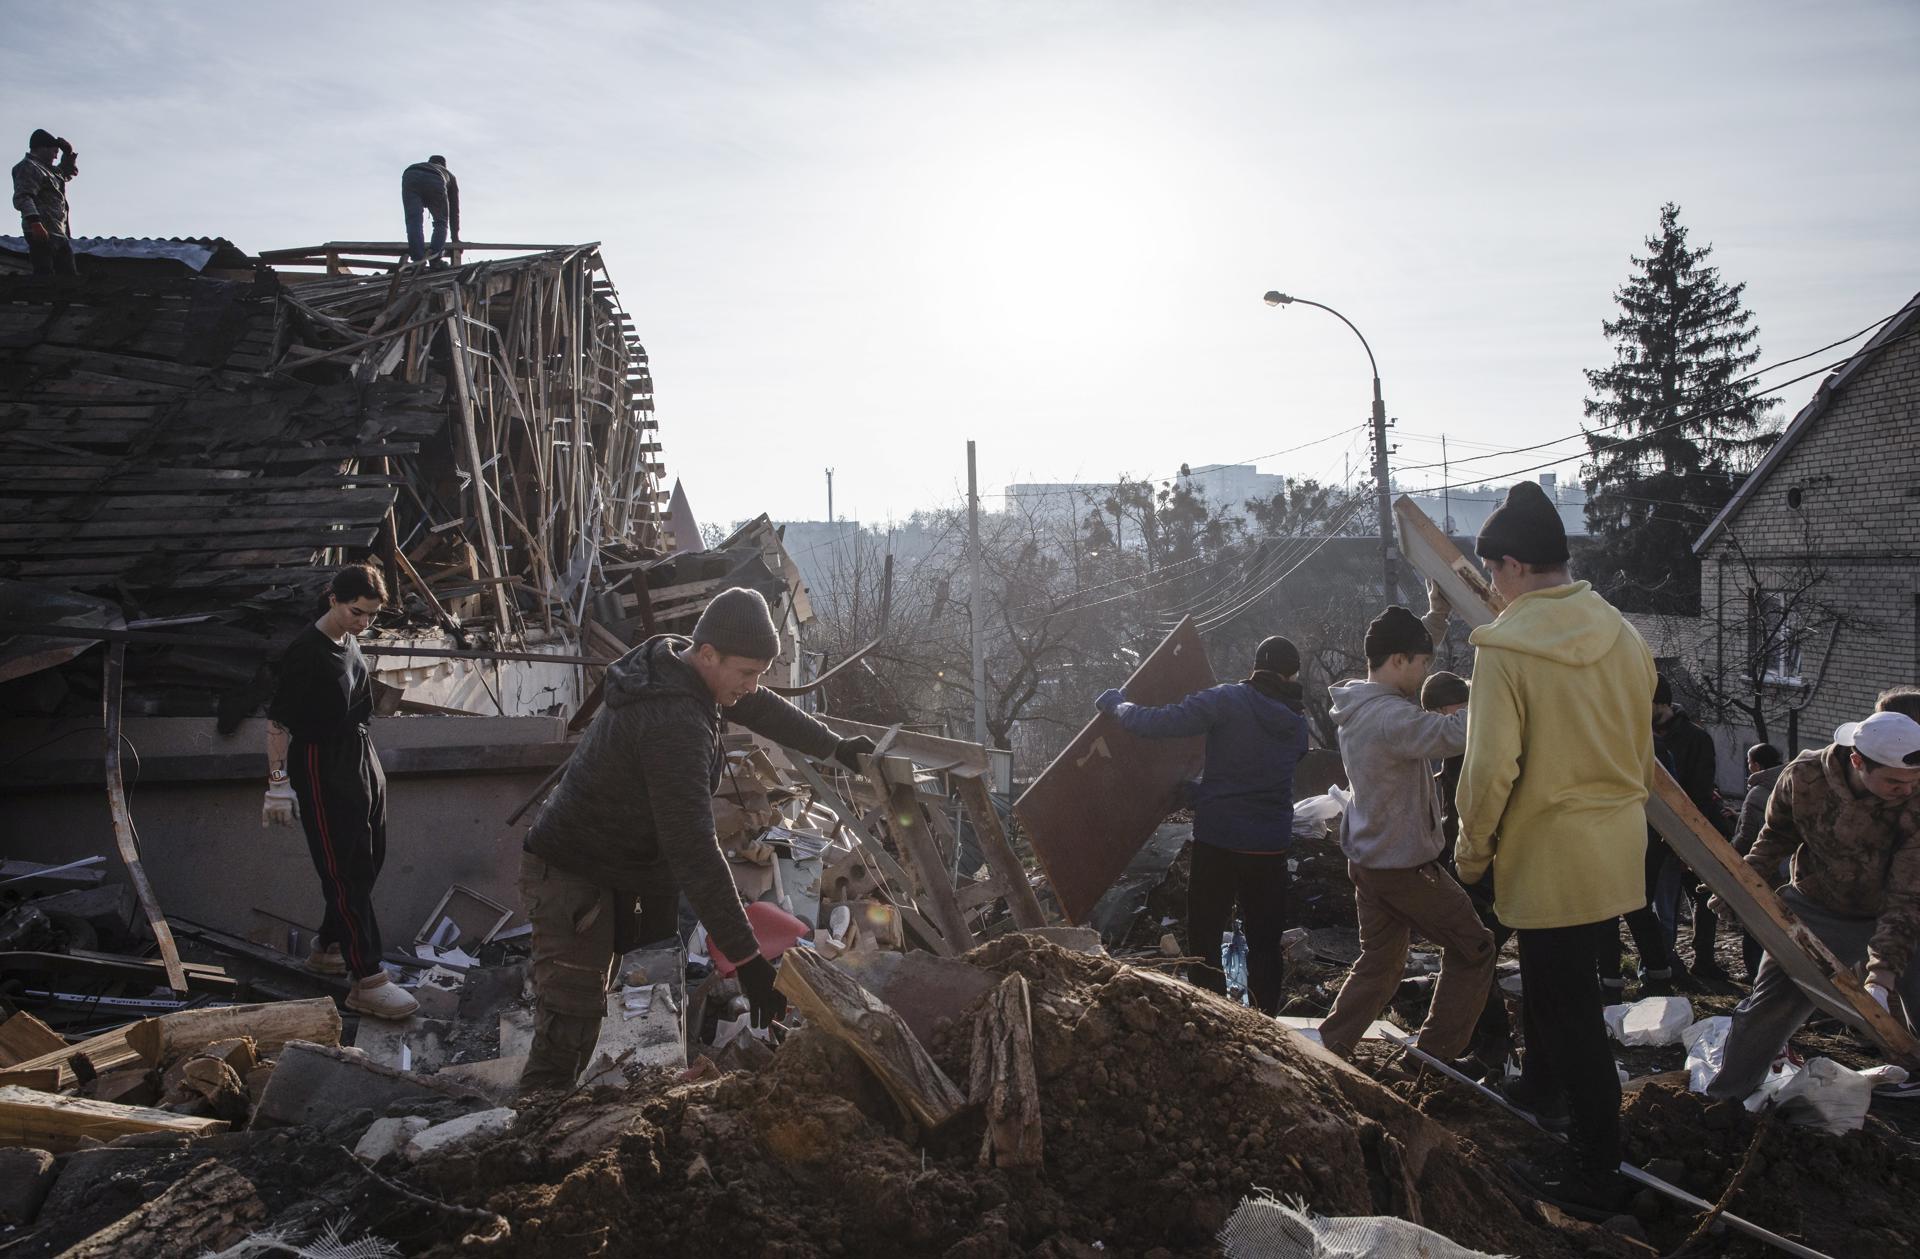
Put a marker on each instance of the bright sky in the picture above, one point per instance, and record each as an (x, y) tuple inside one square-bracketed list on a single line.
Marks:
[(857, 234)]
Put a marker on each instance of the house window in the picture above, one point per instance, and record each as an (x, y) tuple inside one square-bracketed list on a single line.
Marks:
[(1774, 636)]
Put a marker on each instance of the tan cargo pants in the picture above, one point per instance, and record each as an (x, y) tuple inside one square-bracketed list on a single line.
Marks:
[(1391, 905), (576, 930)]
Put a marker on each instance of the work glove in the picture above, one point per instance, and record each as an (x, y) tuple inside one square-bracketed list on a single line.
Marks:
[(1879, 982), (37, 232), (849, 752), (1110, 699), (282, 807), (765, 1004), (1437, 602)]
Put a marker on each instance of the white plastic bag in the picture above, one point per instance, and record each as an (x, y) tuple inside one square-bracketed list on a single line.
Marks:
[(1823, 1094), (1650, 1020), (1314, 817), (1706, 1043)]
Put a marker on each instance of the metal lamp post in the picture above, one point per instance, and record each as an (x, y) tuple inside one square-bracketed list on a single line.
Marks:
[(1389, 552)]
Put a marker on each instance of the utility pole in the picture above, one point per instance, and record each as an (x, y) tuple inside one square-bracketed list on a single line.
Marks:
[(829, 495), (1383, 488), (977, 600), (1446, 487)]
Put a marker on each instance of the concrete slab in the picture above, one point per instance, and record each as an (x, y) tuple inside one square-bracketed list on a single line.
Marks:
[(313, 1084), (389, 1136), (455, 1132), (498, 1078), (416, 1044), (648, 1030)]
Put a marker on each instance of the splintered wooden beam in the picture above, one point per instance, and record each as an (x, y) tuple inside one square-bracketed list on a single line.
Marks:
[(1797, 950), (123, 821), (1003, 1078), (835, 1003), (269, 1024), (48, 1121)]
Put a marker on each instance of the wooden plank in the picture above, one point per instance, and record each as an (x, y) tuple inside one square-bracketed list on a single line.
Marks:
[(48, 1121), (833, 1002), (1003, 1079), (271, 1024), (1007, 868), (925, 750), (113, 672), (907, 822), (23, 1037), (95, 1056), (1707, 853), (207, 1211), (1099, 801)]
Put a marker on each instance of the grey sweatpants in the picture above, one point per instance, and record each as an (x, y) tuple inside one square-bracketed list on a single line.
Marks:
[(1776, 1009)]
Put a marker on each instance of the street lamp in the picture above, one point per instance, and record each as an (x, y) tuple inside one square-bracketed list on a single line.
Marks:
[(1389, 553)]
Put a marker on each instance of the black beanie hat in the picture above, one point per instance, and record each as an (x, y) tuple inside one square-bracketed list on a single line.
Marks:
[(1397, 630), (1526, 526), (437, 160), (1662, 690), (1441, 689), (737, 623), (1277, 655), (42, 140)]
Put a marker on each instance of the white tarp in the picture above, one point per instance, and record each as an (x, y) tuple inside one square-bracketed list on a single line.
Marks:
[(1264, 1228)]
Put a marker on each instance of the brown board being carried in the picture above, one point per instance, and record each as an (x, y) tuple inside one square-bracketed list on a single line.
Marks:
[(1091, 810), (1830, 985)]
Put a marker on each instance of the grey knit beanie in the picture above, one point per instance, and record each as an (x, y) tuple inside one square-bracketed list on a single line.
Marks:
[(737, 623)]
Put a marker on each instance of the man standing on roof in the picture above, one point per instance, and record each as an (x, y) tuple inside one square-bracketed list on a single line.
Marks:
[(1242, 809), (429, 188), (1848, 818), (1552, 796), (632, 820), (1392, 836), (40, 194)]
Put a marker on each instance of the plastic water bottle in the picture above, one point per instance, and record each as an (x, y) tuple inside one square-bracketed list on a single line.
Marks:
[(1233, 960)]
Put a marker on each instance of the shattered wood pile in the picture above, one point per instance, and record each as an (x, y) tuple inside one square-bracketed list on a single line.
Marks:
[(198, 452)]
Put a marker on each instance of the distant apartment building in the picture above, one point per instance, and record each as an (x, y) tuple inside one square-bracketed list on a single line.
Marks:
[(1467, 508)]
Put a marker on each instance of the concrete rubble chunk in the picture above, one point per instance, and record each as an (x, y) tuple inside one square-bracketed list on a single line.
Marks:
[(445, 1136), (438, 993), (389, 1136), (25, 1177), (312, 1084)]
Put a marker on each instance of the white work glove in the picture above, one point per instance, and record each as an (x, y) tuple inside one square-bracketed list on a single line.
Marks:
[(281, 807), (1878, 991)]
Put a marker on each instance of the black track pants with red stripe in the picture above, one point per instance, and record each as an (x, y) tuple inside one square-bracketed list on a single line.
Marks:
[(343, 807)]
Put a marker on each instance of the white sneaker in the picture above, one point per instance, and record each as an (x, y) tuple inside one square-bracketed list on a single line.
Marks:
[(379, 997)]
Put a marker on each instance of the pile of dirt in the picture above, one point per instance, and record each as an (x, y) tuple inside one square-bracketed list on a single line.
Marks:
[(1162, 1107), (1857, 1194)]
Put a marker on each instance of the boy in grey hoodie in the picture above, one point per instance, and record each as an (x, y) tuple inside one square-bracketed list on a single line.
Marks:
[(1392, 836)]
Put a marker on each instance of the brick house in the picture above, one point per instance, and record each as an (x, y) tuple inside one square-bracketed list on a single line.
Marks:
[(1810, 576)]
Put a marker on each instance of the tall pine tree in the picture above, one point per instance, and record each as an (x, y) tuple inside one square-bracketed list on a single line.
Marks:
[(1676, 428)]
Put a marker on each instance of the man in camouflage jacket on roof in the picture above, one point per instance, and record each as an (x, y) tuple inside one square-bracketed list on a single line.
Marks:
[(1848, 817), (40, 194)]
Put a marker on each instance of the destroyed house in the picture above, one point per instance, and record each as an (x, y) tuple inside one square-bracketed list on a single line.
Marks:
[(195, 439)]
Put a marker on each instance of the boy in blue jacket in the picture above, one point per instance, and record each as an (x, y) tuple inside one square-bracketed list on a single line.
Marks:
[(1242, 809)]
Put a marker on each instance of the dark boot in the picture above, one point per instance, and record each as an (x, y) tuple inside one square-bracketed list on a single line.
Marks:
[(1550, 1112), (1584, 1193)]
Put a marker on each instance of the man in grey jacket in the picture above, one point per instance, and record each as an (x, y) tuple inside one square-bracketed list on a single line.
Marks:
[(632, 820), (1392, 836), (40, 194)]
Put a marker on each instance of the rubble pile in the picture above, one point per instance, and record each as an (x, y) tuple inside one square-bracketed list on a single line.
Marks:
[(1161, 1108)]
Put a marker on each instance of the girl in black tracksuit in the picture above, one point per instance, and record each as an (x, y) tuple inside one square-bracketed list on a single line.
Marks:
[(319, 713)]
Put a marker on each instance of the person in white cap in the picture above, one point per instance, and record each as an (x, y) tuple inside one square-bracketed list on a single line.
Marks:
[(1848, 817)]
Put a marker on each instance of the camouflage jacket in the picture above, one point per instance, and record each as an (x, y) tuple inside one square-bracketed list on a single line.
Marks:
[(1854, 855), (40, 192)]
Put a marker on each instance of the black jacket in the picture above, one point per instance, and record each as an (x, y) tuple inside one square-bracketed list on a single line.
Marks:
[(635, 807), (1693, 762)]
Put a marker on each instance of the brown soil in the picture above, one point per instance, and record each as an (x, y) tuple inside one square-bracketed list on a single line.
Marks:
[(1163, 1108)]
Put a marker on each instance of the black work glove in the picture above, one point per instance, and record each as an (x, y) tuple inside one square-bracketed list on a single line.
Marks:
[(850, 751), (765, 1003)]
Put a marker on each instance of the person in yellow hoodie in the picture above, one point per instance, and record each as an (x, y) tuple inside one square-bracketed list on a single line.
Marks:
[(1553, 788)]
